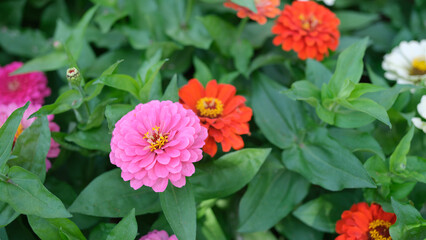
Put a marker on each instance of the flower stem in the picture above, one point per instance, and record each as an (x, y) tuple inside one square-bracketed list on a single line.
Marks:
[(241, 27), (86, 106)]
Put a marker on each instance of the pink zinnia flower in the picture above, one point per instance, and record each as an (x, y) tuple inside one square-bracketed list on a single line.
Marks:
[(158, 235), (6, 110), (22, 88), (157, 142)]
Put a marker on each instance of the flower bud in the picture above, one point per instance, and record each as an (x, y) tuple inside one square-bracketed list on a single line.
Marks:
[(73, 76)]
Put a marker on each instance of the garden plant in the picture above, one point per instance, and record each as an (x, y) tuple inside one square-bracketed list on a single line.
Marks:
[(212, 119)]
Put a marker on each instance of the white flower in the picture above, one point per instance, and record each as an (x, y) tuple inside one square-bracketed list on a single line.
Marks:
[(327, 2), (421, 109), (406, 64)]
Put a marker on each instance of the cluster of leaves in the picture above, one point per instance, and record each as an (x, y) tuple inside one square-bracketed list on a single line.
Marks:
[(315, 146)]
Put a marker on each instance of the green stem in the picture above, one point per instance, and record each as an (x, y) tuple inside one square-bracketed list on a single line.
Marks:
[(188, 11), (241, 27), (86, 106)]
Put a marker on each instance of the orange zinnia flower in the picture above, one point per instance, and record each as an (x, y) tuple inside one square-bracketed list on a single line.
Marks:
[(222, 112), (365, 222), (265, 8), (308, 28)]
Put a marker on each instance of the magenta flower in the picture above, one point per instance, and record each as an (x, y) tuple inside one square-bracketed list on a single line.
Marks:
[(157, 142), (22, 88), (158, 235), (6, 110)]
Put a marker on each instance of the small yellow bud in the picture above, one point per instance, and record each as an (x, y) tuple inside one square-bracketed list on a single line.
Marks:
[(73, 76)]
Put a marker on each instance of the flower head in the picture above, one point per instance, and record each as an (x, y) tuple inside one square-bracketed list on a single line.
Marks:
[(406, 64), (222, 112), (7, 110), (158, 235), (308, 28), (363, 222), (421, 109), (73, 76), (22, 88), (157, 142), (265, 8)]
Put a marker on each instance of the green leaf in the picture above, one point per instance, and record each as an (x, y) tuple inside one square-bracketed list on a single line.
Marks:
[(398, 159), (279, 118), (363, 88), (115, 112), (139, 39), (101, 231), (202, 72), (264, 60), (228, 174), (7, 133), (369, 107), (352, 20), (250, 4), (31, 148), (322, 213), (48, 62), (126, 229), (270, 196), (242, 51), (68, 100), (27, 195), (93, 139), (98, 115), (121, 198), (26, 43), (210, 227), (51, 229), (7, 214), (121, 82), (379, 170), (317, 73), (107, 17), (172, 91), (94, 87), (294, 229), (178, 206), (3, 234), (325, 162), (151, 79), (356, 140), (304, 90), (222, 32), (409, 223), (349, 66)]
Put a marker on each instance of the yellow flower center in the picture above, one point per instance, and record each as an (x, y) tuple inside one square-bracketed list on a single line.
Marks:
[(379, 230), (308, 23), (156, 138), (418, 66), (209, 107)]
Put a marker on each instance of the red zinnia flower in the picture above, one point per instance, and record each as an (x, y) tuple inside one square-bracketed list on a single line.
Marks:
[(222, 112), (265, 8), (363, 222), (308, 28)]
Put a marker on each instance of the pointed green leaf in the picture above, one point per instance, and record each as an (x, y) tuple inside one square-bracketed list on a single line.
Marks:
[(228, 174), (7, 133), (51, 229), (126, 229), (27, 195), (121, 198), (32, 146), (178, 206)]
